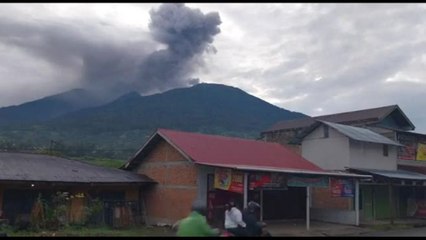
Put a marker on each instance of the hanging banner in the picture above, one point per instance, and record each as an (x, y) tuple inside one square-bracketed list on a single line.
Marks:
[(421, 152), (341, 187), (408, 151), (267, 181), (416, 207), (229, 180), (294, 181)]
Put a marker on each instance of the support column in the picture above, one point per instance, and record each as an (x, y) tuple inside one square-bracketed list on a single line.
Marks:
[(308, 207), (245, 189), (391, 202), (357, 202), (261, 204)]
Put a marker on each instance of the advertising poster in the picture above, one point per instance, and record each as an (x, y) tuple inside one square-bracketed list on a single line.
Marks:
[(229, 180), (416, 207), (258, 180), (267, 181), (341, 187), (421, 152)]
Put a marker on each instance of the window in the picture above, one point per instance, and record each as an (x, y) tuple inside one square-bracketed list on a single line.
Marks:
[(385, 150), (325, 131)]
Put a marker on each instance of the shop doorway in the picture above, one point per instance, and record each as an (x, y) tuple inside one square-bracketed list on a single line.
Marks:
[(284, 204)]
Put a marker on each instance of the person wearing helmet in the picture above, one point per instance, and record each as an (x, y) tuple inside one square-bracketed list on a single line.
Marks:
[(195, 224), (249, 217)]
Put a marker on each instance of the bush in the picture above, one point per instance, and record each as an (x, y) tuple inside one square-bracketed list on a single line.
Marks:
[(94, 213)]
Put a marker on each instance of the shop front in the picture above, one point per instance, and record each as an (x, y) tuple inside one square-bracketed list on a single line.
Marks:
[(281, 195)]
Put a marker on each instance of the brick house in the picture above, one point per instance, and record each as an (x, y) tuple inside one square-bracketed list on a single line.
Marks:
[(190, 166)]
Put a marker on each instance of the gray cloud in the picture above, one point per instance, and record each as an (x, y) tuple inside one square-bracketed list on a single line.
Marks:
[(312, 58), (110, 63)]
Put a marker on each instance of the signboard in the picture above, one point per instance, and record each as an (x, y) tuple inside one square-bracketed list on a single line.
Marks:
[(294, 181), (421, 152), (267, 181), (341, 187), (408, 151), (229, 180), (416, 207)]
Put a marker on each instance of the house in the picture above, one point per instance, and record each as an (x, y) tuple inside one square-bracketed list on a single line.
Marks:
[(216, 169), (25, 177), (384, 120), (389, 194)]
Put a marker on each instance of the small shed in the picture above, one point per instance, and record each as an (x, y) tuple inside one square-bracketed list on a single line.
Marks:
[(25, 177)]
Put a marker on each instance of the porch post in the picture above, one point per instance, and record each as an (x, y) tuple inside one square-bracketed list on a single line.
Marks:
[(245, 188), (308, 200), (391, 201), (357, 202), (261, 204)]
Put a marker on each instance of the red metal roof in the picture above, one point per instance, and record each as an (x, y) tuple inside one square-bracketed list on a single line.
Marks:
[(229, 151)]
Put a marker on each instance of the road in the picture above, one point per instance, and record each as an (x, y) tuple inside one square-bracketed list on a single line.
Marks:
[(411, 232)]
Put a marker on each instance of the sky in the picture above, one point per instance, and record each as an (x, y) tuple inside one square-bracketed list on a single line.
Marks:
[(314, 58)]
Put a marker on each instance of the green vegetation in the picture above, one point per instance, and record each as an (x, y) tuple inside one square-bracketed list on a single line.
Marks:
[(388, 226), (103, 162), (118, 129)]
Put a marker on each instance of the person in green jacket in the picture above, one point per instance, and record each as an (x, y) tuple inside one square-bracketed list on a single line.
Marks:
[(195, 224)]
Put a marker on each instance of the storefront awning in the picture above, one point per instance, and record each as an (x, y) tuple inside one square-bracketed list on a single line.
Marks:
[(284, 170), (392, 174)]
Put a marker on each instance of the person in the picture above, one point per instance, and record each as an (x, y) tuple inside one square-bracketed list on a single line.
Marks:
[(234, 220), (253, 227), (195, 224)]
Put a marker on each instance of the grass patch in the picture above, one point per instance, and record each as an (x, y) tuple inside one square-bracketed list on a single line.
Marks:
[(103, 162), (79, 231), (388, 226)]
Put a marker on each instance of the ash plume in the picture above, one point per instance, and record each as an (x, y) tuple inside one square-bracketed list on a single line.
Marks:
[(187, 34)]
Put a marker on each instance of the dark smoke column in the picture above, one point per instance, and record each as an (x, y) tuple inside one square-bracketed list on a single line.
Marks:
[(187, 34)]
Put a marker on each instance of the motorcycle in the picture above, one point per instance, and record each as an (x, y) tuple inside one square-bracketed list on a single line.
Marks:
[(262, 225)]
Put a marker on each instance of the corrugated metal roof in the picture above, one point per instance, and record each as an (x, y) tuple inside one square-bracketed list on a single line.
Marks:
[(294, 171), (367, 116), (361, 134), (220, 150), (38, 167), (395, 174)]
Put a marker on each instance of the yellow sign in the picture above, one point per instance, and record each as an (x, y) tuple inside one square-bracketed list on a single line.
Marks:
[(222, 178), (421, 151), (228, 180)]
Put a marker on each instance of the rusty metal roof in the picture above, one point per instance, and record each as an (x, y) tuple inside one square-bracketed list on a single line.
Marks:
[(365, 116), (44, 168)]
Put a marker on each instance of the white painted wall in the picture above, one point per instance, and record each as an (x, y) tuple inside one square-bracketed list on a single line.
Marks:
[(203, 171), (330, 153), (370, 155), (338, 151)]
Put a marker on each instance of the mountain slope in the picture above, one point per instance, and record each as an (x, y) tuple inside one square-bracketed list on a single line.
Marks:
[(48, 107), (204, 107), (117, 129)]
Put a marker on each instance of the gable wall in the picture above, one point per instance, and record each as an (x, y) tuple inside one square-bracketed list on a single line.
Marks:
[(170, 199)]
